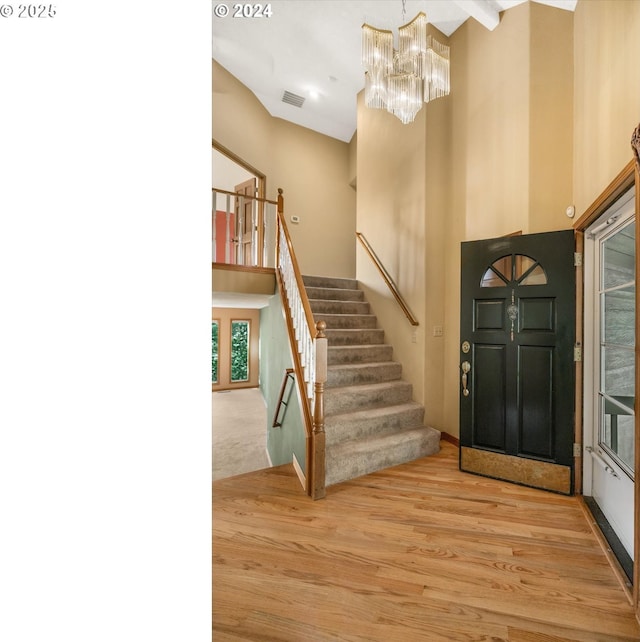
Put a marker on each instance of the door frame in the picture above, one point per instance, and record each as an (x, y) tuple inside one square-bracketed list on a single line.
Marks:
[(624, 181), (261, 187)]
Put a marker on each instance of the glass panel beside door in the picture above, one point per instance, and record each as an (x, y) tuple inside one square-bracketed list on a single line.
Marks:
[(609, 349), (239, 351), (617, 345)]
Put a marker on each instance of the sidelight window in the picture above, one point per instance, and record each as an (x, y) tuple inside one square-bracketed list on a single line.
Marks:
[(214, 351), (240, 351)]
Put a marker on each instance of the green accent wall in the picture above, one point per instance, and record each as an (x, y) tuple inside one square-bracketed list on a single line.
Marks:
[(275, 358)]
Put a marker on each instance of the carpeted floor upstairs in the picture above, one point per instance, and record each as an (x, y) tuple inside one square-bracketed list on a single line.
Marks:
[(371, 421)]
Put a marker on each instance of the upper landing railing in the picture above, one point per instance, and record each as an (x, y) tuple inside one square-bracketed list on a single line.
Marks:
[(244, 229)]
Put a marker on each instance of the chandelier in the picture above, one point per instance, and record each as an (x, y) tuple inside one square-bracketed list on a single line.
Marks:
[(400, 80)]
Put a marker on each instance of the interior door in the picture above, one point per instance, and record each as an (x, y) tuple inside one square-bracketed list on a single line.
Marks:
[(246, 224), (610, 319), (517, 373)]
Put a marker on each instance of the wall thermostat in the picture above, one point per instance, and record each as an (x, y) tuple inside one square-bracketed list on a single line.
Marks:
[(570, 211), (295, 219)]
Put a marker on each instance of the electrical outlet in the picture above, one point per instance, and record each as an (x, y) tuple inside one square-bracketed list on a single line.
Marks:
[(437, 330)]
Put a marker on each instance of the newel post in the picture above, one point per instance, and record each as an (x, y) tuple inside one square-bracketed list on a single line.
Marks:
[(318, 436), (280, 201)]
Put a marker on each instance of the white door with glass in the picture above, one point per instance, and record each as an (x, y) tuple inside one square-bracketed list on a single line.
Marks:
[(609, 356)]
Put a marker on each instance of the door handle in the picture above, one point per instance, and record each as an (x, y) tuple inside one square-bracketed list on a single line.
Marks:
[(601, 460), (465, 366)]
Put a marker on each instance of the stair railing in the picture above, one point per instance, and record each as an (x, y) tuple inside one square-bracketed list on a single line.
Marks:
[(309, 349), (387, 279), (229, 243)]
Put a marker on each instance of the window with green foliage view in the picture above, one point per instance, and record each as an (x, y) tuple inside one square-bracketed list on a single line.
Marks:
[(214, 352), (239, 351)]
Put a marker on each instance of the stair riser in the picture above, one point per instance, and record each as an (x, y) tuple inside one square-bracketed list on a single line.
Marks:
[(347, 321), (355, 337), (330, 282), (354, 375), (334, 294), (341, 466), (340, 400), (339, 428), (358, 354)]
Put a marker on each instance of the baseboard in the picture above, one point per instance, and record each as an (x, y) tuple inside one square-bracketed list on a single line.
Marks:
[(301, 475), (450, 438), (618, 570)]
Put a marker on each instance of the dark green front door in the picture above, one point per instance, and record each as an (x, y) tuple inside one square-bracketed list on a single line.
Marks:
[(517, 377)]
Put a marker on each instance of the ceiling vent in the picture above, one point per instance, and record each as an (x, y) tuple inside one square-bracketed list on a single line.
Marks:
[(292, 99)]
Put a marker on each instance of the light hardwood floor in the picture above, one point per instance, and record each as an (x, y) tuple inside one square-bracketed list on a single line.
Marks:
[(416, 552)]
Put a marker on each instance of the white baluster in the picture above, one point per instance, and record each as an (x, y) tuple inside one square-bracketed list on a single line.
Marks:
[(227, 236)]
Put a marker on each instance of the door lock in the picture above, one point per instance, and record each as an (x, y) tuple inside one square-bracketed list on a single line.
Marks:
[(465, 366)]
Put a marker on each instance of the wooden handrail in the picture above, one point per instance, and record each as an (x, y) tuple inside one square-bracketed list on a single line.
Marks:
[(217, 190), (277, 420), (387, 279)]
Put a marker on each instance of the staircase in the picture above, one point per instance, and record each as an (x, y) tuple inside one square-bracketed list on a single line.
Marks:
[(371, 421)]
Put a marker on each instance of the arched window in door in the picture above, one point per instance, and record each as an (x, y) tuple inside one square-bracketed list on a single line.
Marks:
[(514, 269)]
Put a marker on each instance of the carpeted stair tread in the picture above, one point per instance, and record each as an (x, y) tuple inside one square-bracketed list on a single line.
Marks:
[(330, 282), (349, 374), (352, 336), (361, 424), (359, 353), (373, 395), (331, 306), (347, 321), (335, 294), (354, 458)]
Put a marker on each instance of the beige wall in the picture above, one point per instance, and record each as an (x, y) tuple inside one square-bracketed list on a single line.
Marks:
[(607, 93), (391, 164), (312, 169), (551, 118), (353, 155)]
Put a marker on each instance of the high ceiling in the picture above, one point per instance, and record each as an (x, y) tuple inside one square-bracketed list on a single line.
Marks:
[(311, 48)]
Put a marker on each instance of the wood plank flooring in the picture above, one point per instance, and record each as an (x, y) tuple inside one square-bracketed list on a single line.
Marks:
[(417, 552)]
